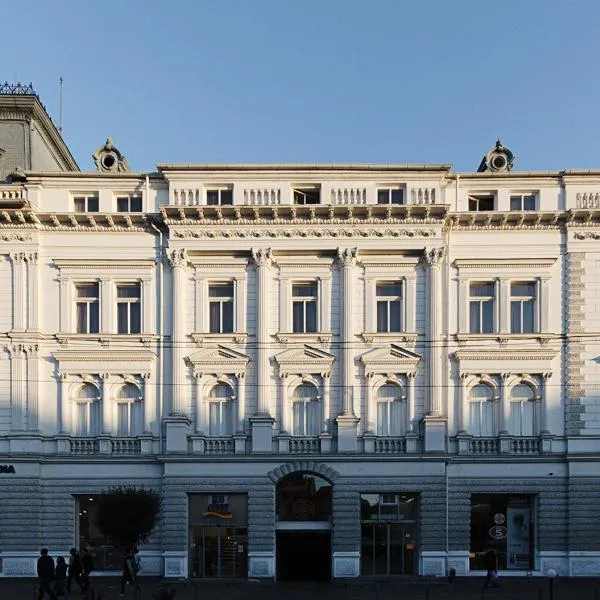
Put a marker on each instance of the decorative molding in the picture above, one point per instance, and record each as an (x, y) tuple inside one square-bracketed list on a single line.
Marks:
[(217, 361), (308, 466), (588, 235), (505, 263), (201, 338), (433, 256), (108, 264), (480, 354), (370, 337), (16, 237), (347, 257), (391, 359), (177, 257), (322, 337), (262, 257), (303, 360)]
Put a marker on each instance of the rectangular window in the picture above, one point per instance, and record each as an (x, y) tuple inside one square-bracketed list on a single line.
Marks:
[(129, 308), (221, 417), (522, 307), (311, 195), (220, 307), (390, 196), (129, 203), (124, 418), (86, 203), (87, 418), (389, 306), (88, 308), (481, 307), (481, 202), (219, 197), (304, 307), (522, 202)]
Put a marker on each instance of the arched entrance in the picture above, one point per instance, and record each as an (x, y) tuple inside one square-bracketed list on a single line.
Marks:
[(303, 527)]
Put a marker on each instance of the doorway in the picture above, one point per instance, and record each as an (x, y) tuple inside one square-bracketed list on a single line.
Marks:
[(388, 549), (303, 555)]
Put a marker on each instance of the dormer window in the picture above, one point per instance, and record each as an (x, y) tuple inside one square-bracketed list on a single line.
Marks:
[(219, 197), (481, 202), (522, 202), (307, 195), (390, 196)]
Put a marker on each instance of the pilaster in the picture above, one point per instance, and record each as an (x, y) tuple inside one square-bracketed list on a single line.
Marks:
[(18, 296), (17, 387), (33, 290)]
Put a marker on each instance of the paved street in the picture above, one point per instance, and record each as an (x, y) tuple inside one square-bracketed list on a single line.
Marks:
[(462, 589)]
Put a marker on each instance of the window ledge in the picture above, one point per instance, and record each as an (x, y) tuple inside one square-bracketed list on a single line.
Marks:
[(322, 337), (106, 339), (405, 337), (231, 338), (504, 339)]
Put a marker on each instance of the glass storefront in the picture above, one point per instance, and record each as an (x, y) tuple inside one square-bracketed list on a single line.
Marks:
[(504, 523), (218, 535), (106, 557), (388, 534)]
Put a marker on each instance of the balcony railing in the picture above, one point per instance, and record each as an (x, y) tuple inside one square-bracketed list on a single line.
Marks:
[(484, 446), (125, 446), (305, 446), (390, 446), (84, 446)]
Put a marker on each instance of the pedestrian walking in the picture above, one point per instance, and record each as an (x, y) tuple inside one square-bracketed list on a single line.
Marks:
[(60, 578), (74, 569), (87, 566), (130, 570), (45, 571), (490, 562)]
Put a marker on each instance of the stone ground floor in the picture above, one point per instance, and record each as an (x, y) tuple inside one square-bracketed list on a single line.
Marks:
[(516, 588), (316, 520)]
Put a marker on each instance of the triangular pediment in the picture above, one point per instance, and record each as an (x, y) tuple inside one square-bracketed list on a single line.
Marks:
[(220, 358), (392, 358), (305, 359)]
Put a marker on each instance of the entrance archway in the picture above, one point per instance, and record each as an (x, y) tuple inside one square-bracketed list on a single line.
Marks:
[(303, 527)]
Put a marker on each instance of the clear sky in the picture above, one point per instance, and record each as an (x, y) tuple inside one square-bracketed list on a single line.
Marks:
[(329, 81)]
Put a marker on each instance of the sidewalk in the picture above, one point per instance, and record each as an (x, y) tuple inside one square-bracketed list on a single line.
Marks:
[(462, 589)]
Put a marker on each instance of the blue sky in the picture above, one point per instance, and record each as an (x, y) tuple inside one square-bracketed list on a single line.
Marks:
[(370, 81)]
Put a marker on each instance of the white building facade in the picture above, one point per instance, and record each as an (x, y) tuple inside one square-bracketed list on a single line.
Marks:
[(388, 369)]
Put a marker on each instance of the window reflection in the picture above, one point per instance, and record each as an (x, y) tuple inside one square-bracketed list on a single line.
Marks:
[(303, 497)]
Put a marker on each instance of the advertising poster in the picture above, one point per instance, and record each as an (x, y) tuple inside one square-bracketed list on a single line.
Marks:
[(518, 535)]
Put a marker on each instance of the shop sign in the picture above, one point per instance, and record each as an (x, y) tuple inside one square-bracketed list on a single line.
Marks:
[(499, 519), (218, 510), (7, 469), (497, 532)]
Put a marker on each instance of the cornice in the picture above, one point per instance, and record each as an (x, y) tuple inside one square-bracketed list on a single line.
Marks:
[(28, 219), (507, 263), (73, 263), (480, 354), (113, 356)]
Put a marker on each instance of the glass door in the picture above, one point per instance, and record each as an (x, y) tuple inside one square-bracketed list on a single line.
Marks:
[(388, 549), (219, 552)]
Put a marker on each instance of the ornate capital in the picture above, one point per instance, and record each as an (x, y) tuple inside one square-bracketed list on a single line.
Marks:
[(347, 257), (177, 258), (32, 257), (17, 257), (262, 257), (433, 256), (17, 350)]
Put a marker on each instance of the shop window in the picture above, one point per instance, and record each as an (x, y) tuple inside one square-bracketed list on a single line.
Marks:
[(218, 535), (504, 523), (106, 556), (389, 534)]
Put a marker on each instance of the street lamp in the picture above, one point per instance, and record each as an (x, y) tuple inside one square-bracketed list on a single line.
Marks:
[(551, 573)]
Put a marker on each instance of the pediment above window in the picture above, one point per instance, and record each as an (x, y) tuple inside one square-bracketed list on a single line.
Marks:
[(104, 361), (390, 359), (305, 359), (534, 360), (220, 359)]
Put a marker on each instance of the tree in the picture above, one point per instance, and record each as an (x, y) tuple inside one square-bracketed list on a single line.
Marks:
[(127, 515)]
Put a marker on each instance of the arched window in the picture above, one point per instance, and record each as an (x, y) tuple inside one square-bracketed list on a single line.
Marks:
[(128, 410), (305, 404), (522, 411), (220, 410), (481, 405), (391, 418), (87, 410)]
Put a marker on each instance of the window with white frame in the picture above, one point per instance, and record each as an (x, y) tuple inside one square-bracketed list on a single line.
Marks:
[(129, 308), (87, 410), (307, 195), (128, 410), (86, 203), (87, 307), (481, 307), (220, 410), (522, 307), (129, 203), (304, 307), (220, 307), (481, 202), (305, 407), (522, 411), (481, 411), (522, 202), (390, 196), (391, 417), (219, 196), (389, 306)]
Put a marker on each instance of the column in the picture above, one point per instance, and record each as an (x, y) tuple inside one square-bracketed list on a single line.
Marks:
[(240, 305), (411, 402), (347, 422), (33, 289), (241, 401), (178, 260), (106, 404), (149, 403), (432, 260), (504, 404), (263, 260), (33, 386), (346, 260), (18, 262), (17, 387), (543, 301), (326, 401), (64, 422), (148, 325)]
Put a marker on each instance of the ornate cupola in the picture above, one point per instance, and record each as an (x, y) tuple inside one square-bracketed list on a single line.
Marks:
[(108, 159), (498, 160)]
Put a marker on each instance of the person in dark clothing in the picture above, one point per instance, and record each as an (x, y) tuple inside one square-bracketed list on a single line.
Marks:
[(45, 571), (74, 570), (87, 566), (490, 562), (60, 578), (129, 574)]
